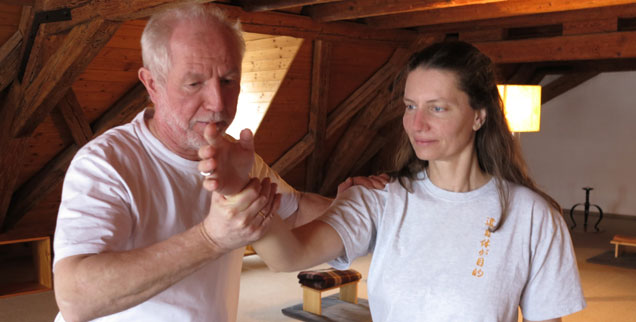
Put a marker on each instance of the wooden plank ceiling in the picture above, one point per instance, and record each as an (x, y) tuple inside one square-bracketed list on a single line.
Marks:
[(68, 72)]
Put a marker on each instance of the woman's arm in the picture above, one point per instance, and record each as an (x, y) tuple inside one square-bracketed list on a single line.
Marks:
[(288, 250)]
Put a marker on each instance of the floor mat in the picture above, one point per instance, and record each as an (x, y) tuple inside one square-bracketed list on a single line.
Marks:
[(626, 260), (333, 309)]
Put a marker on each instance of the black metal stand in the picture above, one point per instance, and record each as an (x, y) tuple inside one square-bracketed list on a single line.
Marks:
[(587, 210)]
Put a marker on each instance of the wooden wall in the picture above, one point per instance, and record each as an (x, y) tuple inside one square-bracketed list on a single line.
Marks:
[(113, 73), (286, 123)]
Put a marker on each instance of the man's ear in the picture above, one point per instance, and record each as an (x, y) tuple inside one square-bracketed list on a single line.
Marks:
[(145, 76)]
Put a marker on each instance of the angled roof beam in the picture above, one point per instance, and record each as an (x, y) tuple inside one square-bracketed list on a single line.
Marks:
[(493, 10), (564, 84), (37, 187), (78, 49), (10, 59), (318, 113), (294, 155), (75, 119)]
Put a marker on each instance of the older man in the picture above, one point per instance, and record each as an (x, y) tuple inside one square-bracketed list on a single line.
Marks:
[(137, 237)]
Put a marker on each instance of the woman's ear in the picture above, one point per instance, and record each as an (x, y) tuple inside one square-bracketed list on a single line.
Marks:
[(480, 118)]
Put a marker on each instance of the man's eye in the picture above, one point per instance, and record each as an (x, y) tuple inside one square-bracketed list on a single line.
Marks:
[(227, 81), (438, 108)]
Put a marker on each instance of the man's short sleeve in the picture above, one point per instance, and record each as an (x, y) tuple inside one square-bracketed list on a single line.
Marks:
[(94, 214)]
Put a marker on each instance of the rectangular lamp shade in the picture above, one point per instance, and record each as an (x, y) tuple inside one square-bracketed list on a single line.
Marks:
[(522, 106)]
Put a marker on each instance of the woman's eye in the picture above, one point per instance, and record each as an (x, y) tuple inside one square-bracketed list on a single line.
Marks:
[(410, 106)]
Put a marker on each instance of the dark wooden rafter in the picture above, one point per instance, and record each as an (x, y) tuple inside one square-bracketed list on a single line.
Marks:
[(563, 84), (87, 10), (267, 5), (19, 2), (525, 74), (575, 47), (78, 49), (123, 110), (358, 100), (52, 174), (485, 11), (353, 9), (294, 155), (357, 137), (75, 119), (362, 96), (318, 113), (9, 59), (12, 149), (589, 16), (279, 23)]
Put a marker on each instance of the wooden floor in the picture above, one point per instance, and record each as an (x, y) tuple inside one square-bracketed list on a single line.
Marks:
[(610, 291)]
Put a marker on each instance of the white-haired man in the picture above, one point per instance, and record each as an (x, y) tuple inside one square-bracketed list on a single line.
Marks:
[(137, 237)]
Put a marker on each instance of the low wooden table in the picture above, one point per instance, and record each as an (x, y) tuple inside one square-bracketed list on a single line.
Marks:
[(622, 240)]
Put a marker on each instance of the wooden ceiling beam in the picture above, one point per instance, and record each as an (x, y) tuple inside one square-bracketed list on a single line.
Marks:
[(13, 149), (123, 110), (279, 23), (86, 10), (268, 5), (49, 177), (10, 59), (565, 17), (576, 47), (362, 96), (503, 9), (296, 154), (78, 49), (11, 158), (354, 9), (318, 113), (563, 84), (354, 141), (75, 119)]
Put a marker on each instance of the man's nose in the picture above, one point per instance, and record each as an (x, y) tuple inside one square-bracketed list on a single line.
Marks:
[(213, 98)]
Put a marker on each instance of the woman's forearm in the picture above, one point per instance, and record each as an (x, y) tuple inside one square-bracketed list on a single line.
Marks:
[(288, 250)]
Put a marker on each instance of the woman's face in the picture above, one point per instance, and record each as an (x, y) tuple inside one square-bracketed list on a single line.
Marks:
[(438, 119)]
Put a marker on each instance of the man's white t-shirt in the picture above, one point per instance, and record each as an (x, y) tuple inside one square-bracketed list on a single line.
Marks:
[(434, 258), (126, 190)]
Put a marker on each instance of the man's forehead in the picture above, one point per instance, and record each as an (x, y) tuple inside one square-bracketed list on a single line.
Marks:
[(211, 41)]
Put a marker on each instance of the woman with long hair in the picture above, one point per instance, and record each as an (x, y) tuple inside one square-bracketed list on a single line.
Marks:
[(461, 233)]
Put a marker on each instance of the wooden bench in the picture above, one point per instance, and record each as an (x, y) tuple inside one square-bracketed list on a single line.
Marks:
[(312, 295), (622, 240)]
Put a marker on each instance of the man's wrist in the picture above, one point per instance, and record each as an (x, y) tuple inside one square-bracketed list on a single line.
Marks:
[(209, 241)]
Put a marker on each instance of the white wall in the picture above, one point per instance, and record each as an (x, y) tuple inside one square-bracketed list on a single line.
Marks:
[(588, 138)]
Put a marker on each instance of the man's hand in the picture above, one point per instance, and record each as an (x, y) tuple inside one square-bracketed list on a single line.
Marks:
[(371, 182), (235, 221), (228, 161)]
